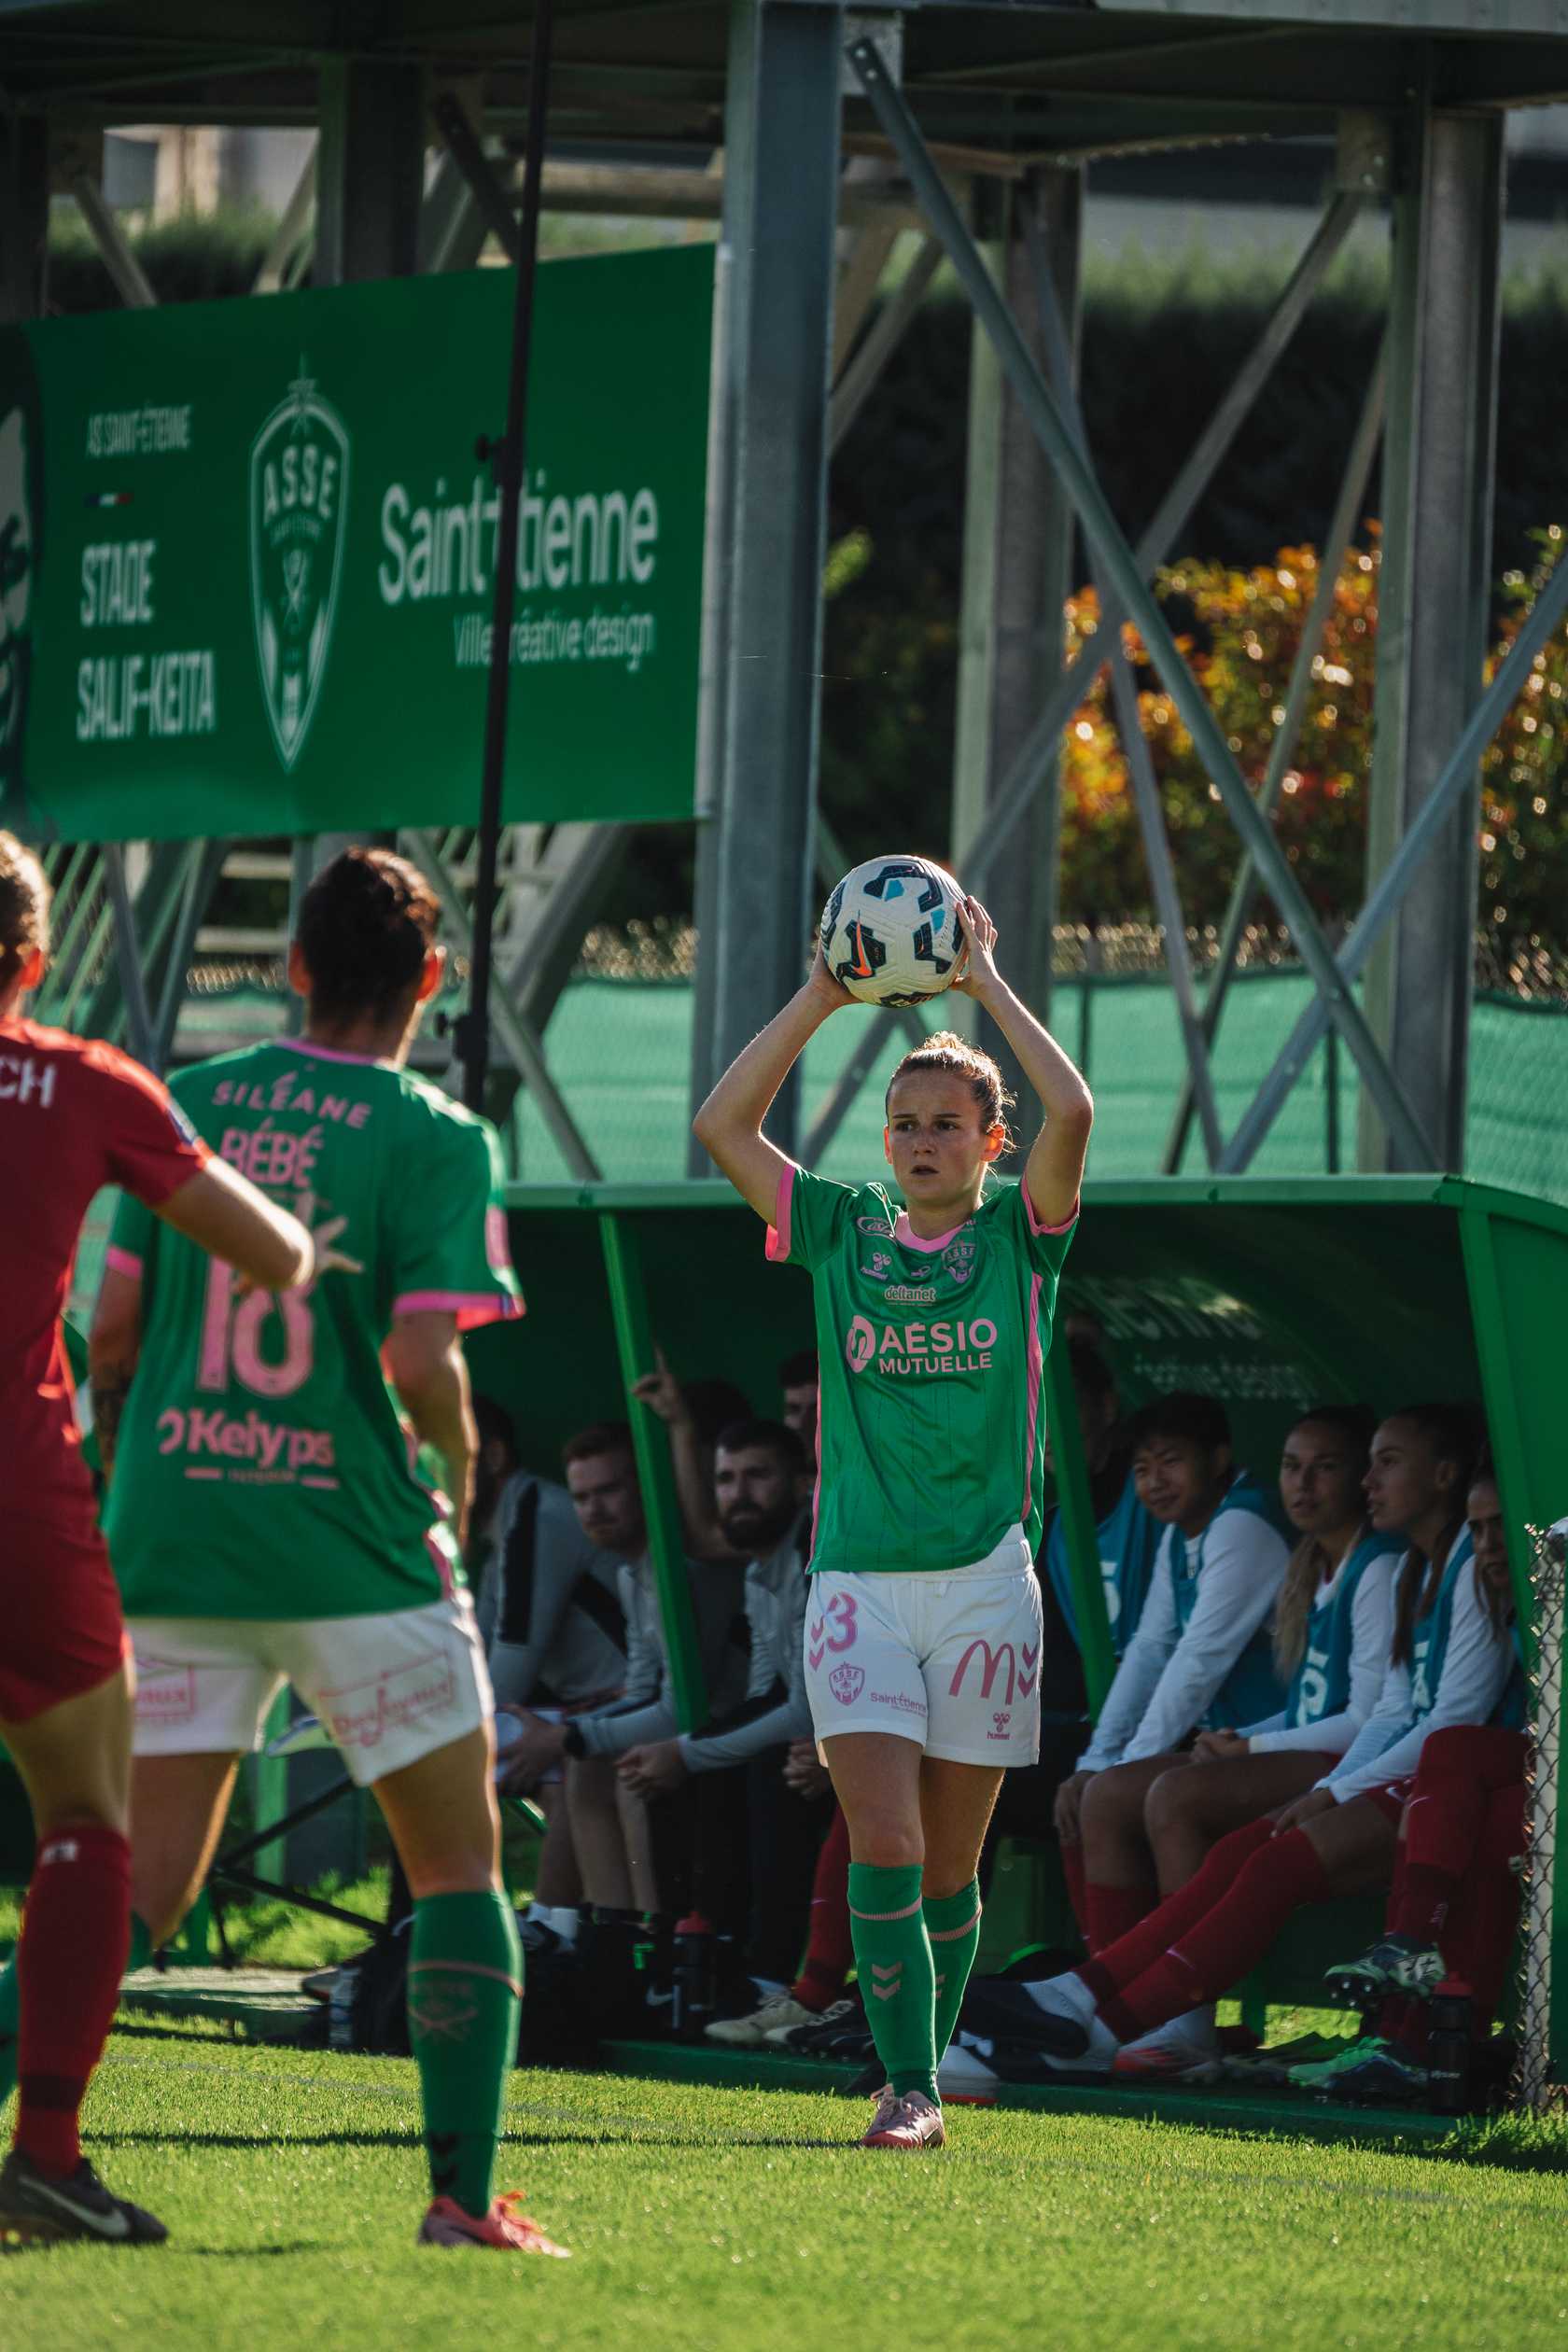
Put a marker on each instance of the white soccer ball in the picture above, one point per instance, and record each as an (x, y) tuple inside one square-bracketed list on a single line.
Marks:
[(890, 931)]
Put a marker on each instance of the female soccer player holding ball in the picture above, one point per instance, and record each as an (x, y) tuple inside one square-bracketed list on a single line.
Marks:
[(923, 1632)]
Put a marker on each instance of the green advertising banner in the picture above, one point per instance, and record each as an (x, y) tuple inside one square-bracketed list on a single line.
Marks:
[(246, 555)]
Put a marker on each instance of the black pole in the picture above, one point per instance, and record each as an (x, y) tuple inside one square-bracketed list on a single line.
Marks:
[(473, 1029)]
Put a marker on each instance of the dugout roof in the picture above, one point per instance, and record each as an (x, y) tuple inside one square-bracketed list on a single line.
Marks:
[(646, 79)]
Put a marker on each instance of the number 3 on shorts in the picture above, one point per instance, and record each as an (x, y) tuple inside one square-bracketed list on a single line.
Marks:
[(231, 1346)]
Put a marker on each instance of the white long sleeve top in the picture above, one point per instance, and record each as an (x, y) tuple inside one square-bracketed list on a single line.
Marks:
[(1168, 1677)]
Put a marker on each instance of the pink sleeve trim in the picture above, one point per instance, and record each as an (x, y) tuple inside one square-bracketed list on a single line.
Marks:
[(123, 1262), (1034, 1224), (471, 1308), (778, 1232)]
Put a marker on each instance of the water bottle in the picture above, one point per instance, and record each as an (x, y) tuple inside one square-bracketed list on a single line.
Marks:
[(1448, 2047), (693, 1976)]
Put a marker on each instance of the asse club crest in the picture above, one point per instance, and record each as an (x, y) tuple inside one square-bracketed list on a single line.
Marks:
[(299, 501)]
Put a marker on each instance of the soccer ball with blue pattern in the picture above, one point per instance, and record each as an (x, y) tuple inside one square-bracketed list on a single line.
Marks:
[(890, 931)]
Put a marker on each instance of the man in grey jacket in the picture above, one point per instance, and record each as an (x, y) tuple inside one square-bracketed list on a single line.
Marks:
[(750, 1826)]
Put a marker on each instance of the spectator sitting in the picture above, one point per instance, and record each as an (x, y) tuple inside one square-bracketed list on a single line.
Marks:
[(759, 1473), (797, 1378), (1202, 1655), (550, 1610), (1451, 1662), (609, 1823)]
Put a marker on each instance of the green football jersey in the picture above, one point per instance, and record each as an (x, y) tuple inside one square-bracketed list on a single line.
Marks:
[(263, 1468), (931, 1438)]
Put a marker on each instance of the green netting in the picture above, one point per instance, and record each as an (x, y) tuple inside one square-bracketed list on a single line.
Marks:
[(620, 1051)]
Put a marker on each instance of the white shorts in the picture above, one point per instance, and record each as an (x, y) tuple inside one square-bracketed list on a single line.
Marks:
[(951, 1660), (389, 1690)]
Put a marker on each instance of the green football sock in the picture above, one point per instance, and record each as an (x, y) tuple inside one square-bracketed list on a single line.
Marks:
[(952, 1926), (464, 1982), (893, 1958), (141, 1952)]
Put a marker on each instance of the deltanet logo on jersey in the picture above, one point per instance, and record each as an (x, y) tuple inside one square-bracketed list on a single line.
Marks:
[(298, 501), (913, 1350)]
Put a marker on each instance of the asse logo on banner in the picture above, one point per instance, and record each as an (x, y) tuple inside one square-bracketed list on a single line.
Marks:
[(247, 555)]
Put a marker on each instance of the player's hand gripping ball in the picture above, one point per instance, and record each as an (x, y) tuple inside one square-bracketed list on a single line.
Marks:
[(890, 933)]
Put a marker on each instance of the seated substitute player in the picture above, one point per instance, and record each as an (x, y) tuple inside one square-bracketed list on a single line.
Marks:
[(1455, 1900), (1332, 1628), (75, 1115), (1202, 1655), (1331, 1632), (1451, 1662), (265, 1513), (923, 1625)]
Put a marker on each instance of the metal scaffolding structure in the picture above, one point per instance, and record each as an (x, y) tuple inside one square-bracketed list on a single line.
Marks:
[(817, 137)]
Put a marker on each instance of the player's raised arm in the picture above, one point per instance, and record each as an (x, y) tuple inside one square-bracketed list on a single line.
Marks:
[(1054, 1172), (223, 1212), (729, 1126)]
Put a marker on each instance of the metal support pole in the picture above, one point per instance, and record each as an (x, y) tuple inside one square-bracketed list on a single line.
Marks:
[(491, 200), (204, 866), (780, 219), (979, 857), (519, 1038), (473, 1032), (371, 176), (1135, 743), (661, 1507), (887, 329), (293, 225), (130, 279), (1017, 561), (1433, 599), (24, 200), (1134, 594), (1281, 750), (1458, 776), (139, 932), (138, 1020)]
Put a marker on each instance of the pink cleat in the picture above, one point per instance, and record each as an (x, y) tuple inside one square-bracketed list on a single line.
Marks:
[(503, 2227), (910, 2121)]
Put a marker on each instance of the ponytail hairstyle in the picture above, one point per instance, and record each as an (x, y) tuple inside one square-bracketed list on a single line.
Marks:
[(25, 907), (1457, 1435), (1309, 1563), (955, 1057), (367, 923)]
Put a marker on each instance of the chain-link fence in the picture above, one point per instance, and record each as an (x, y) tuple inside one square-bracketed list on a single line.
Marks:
[(1532, 2084)]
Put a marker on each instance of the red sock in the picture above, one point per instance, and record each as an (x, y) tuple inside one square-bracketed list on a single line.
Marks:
[(1124, 1962), (1421, 1903), (1113, 1910), (1229, 1943), (1478, 1932), (76, 1934), (1077, 1888), (829, 1953)]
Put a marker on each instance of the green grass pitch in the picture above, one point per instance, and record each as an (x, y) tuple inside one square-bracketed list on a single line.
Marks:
[(292, 2183)]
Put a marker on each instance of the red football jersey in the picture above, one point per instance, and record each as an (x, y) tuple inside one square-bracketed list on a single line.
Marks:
[(75, 1115)]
